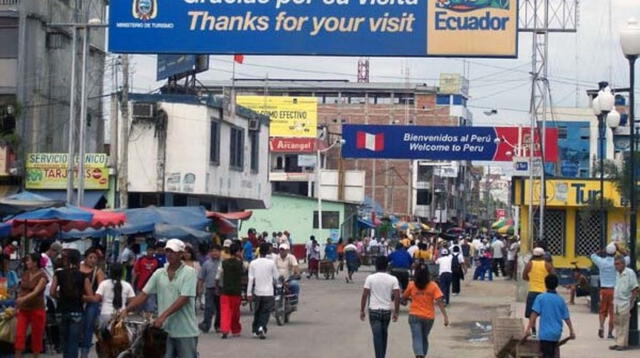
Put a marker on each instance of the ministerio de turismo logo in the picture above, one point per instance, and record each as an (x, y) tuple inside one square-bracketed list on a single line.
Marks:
[(144, 9)]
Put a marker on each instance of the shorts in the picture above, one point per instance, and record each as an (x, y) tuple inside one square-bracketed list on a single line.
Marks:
[(606, 300), (531, 298)]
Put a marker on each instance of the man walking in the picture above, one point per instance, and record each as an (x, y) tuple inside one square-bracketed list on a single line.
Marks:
[(401, 262), (262, 274), (535, 272), (552, 310), (445, 273), (175, 287), (624, 297), (380, 289), (606, 266), (498, 257), (207, 283)]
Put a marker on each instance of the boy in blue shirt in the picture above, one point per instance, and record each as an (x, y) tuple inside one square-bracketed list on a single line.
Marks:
[(552, 310)]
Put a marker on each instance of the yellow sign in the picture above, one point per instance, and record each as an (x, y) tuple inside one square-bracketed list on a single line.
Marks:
[(49, 171), (572, 192), (289, 116), (486, 28)]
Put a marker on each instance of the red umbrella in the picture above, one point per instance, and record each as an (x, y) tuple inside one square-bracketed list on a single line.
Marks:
[(34, 228), (101, 219)]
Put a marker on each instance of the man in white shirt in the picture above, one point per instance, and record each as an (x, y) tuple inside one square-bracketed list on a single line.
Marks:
[(512, 255), (262, 275), (414, 247), (308, 247), (445, 273), (287, 265), (497, 248), (380, 289)]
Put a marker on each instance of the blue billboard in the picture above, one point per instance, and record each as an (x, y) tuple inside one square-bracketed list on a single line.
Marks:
[(438, 142), (176, 65), (479, 28)]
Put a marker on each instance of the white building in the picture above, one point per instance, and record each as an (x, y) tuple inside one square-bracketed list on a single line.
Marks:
[(185, 150)]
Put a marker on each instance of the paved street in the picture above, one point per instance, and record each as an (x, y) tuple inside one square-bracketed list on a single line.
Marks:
[(327, 325)]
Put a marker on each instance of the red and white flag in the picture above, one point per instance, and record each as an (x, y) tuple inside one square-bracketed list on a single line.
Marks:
[(238, 58), (372, 142)]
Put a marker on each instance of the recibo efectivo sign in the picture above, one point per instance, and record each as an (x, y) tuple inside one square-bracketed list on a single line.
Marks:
[(479, 28)]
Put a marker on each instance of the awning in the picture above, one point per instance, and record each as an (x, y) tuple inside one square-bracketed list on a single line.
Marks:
[(91, 197), (366, 223), (6, 190), (240, 215)]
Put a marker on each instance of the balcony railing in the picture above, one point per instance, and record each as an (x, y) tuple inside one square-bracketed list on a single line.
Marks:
[(9, 2)]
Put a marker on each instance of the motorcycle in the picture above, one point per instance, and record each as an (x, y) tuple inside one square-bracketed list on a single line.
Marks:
[(286, 303)]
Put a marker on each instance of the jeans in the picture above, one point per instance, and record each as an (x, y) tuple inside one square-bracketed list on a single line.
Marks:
[(379, 321), (403, 277), (294, 287), (498, 267), (182, 347), (445, 285), (70, 333), (211, 306), (91, 312), (420, 328), (455, 283), (263, 306)]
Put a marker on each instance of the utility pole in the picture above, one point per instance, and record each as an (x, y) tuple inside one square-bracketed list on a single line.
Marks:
[(123, 181), (71, 160), (83, 118)]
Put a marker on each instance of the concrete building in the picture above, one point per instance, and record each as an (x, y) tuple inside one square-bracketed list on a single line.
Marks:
[(394, 184), (35, 67), (186, 151)]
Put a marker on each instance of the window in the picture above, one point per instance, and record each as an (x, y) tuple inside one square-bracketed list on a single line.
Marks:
[(236, 151), (330, 219), (214, 143), (8, 36), (255, 151), (423, 197)]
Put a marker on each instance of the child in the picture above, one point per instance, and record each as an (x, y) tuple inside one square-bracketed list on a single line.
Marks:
[(552, 310)]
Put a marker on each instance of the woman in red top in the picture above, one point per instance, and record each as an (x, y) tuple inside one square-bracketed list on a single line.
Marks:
[(424, 294), (30, 304)]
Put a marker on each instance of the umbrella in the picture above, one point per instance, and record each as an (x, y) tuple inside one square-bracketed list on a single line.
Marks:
[(184, 233), (46, 222), (498, 224), (144, 220), (506, 230), (101, 219), (25, 201)]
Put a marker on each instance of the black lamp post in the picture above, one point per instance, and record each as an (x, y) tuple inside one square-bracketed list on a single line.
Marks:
[(630, 43)]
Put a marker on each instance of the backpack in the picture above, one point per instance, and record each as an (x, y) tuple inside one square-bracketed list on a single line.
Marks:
[(455, 265)]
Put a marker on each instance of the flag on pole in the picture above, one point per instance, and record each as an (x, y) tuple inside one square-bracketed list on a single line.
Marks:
[(238, 58)]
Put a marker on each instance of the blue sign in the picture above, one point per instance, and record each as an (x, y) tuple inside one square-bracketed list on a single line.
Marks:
[(176, 65), (422, 142), (479, 28)]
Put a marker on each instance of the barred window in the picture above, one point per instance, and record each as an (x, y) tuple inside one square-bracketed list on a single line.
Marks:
[(554, 231), (588, 225)]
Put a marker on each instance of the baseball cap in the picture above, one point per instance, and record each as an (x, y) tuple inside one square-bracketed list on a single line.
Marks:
[(284, 246), (538, 251), (14, 243), (227, 243), (70, 246), (611, 248), (175, 245), (444, 252)]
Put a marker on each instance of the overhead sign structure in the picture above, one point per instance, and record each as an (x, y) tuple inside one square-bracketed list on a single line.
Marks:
[(288, 116), (180, 65), (442, 143), (478, 28), (49, 171)]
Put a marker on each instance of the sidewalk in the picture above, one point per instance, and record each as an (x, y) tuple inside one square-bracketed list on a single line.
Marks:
[(587, 343)]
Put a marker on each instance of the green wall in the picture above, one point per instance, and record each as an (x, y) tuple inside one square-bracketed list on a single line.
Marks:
[(293, 214)]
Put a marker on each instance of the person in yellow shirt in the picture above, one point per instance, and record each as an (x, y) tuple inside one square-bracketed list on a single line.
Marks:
[(423, 253), (535, 272)]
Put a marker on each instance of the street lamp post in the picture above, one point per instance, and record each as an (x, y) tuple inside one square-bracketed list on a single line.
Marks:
[(630, 43), (602, 108)]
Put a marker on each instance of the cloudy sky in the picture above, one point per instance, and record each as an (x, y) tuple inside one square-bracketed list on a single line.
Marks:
[(576, 62)]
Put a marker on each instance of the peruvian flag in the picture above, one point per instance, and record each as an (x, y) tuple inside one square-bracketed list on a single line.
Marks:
[(238, 58), (372, 142)]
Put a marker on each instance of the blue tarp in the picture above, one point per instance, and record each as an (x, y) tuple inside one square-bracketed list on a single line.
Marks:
[(77, 234), (366, 223), (5, 230), (91, 197), (25, 201), (145, 219), (68, 212), (187, 234)]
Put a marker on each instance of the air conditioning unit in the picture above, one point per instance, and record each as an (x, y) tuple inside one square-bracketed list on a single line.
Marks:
[(144, 110), (254, 125)]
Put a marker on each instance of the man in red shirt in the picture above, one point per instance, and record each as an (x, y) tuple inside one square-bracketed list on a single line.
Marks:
[(142, 271)]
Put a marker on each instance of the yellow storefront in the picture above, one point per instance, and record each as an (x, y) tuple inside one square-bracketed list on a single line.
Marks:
[(571, 222)]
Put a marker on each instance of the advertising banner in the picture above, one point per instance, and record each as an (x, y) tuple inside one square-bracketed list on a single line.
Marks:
[(49, 171), (479, 28), (174, 65), (293, 145), (442, 143), (288, 116), (577, 192)]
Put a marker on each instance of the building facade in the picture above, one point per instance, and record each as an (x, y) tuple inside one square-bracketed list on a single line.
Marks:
[(186, 151), (390, 183)]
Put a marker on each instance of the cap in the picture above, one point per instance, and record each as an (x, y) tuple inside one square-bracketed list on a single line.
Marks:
[(611, 249), (70, 246), (175, 245), (14, 243), (284, 247), (538, 251), (227, 243), (444, 252)]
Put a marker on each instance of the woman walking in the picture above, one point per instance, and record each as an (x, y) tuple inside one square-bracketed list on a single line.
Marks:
[(31, 306), (113, 293), (68, 287), (90, 270), (352, 258), (424, 294)]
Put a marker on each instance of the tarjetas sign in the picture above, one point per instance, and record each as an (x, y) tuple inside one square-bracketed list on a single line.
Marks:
[(49, 171), (483, 28)]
